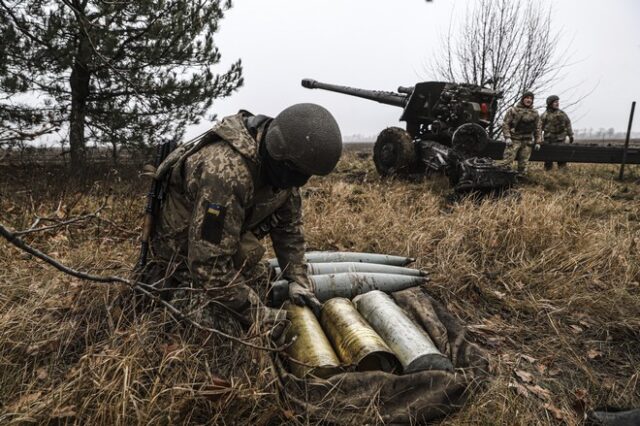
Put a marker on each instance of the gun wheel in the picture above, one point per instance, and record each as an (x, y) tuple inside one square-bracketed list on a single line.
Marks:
[(394, 152)]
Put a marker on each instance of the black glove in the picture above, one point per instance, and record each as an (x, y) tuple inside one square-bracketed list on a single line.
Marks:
[(303, 296), (570, 139)]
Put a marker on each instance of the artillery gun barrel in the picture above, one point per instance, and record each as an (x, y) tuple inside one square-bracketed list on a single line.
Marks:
[(387, 98)]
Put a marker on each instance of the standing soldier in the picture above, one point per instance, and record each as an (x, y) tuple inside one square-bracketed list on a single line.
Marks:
[(228, 190), (521, 130), (556, 127)]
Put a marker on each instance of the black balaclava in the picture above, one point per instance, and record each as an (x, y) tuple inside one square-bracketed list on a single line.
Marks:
[(278, 173)]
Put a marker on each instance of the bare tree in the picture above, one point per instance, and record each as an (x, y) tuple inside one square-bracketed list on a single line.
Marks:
[(506, 45)]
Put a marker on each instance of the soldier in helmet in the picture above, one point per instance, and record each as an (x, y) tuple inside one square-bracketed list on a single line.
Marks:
[(522, 132), (236, 185), (556, 127)]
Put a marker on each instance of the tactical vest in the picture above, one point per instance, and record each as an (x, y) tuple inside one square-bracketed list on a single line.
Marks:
[(526, 125)]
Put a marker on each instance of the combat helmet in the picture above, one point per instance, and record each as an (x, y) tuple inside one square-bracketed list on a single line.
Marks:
[(528, 94), (307, 137), (551, 99)]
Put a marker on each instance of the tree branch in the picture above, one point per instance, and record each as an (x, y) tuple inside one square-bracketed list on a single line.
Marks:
[(145, 289)]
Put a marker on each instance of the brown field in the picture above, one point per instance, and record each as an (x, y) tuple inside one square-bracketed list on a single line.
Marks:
[(547, 280)]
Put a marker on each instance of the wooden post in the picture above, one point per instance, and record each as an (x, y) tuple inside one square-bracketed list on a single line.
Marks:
[(626, 141)]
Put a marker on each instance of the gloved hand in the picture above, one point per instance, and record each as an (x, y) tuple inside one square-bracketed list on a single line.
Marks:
[(273, 320), (570, 139), (508, 141), (536, 147), (303, 296)]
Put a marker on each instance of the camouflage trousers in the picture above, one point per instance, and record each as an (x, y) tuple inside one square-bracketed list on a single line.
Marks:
[(519, 150), (548, 165)]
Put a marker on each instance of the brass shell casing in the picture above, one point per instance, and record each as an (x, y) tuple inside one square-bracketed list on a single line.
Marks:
[(355, 341), (311, 346)]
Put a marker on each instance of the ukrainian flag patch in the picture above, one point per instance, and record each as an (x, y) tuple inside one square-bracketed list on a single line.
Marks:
[(213, 222)]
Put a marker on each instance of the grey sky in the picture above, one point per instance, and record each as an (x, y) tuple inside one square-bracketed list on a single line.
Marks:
[(381, 44)]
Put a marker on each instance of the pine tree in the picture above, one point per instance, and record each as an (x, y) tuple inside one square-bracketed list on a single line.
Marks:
[(119, 72)]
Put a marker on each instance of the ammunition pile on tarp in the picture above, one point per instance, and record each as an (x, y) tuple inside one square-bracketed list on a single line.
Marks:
[(392, 344)]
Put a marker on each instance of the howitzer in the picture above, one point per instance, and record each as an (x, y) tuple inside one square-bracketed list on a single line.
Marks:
[(446, 131), (154, 201)]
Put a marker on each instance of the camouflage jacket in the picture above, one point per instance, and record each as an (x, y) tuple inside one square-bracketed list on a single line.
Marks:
[(556, 125), (218, 206), (522, 123)]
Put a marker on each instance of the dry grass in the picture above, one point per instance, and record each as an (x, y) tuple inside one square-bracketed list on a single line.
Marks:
[(547, 279)]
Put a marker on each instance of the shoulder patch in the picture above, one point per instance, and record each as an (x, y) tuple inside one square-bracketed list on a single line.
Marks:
[(213, 222)]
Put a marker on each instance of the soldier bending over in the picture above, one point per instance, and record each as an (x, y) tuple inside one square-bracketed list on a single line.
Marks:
[(230, 189)]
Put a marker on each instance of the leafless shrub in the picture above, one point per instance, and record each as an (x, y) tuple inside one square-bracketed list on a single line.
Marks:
[(509, 46)]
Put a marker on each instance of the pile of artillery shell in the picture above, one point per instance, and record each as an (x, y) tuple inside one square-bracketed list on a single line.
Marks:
[(411, 344), (353, 338), (347, 274), (370, 333), (311, 346)]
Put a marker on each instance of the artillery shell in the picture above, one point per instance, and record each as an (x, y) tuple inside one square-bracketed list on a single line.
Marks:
[(351, 284), (311, 346), (353, 339), (347, 256), (339, 267), (411, 344), (347, 284)]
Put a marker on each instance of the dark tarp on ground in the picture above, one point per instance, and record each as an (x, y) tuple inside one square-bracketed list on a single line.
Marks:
[(379, 397)]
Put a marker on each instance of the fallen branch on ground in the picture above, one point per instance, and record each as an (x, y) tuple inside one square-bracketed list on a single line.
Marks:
[(33, 229), (145, 289)]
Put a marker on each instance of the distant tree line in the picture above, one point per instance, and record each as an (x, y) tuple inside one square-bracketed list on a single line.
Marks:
[(602, 133)]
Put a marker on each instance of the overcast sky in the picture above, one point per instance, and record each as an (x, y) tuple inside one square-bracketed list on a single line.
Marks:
[(381, 44)]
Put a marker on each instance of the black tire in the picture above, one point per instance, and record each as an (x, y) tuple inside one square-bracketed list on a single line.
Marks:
[(394, 152), (470, 139)]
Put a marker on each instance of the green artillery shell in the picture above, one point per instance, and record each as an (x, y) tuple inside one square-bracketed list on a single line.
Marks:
[(339, 267), (311, 346), (411, 344), (346, 256), (354, 340), (347, 284)]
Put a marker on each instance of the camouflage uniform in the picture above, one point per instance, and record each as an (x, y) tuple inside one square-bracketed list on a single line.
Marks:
[(216, 209), (522, 125), (556, 127)]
